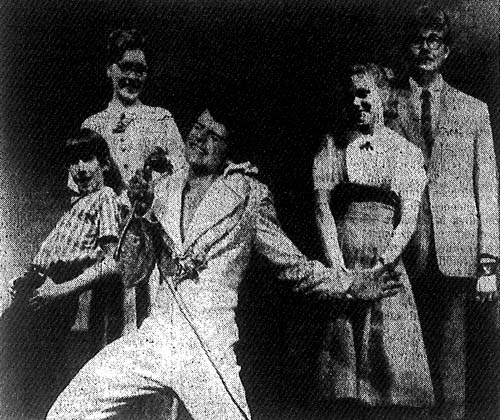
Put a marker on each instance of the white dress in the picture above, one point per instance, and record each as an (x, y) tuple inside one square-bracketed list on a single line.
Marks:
[(374, 352)]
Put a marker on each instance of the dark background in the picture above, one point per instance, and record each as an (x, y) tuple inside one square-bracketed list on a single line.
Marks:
[(277, 61)]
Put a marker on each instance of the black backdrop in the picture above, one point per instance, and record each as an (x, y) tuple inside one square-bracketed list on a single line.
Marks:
[(277, 61)]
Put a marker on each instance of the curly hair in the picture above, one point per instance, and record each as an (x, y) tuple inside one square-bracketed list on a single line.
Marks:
[(122, 40)]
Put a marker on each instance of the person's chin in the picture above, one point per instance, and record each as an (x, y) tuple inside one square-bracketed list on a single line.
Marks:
[(364, 127), (195, 162), (364, 121), (88, 187), (83, 190), (129, 96), (194, 158)]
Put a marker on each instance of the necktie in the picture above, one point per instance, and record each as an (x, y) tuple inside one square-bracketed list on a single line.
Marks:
[(426, 120)]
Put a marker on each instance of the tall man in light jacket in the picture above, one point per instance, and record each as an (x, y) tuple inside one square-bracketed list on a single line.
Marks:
[(455, 249)]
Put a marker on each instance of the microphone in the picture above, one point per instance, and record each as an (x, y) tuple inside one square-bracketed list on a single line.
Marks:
[(140, 192)]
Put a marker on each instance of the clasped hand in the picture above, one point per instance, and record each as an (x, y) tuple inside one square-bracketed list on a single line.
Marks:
[(370, 284), (376, 283), (486, 288), (140, 191)]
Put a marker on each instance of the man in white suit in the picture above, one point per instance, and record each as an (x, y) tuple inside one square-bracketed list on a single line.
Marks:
[(455, 249), (210, 219)]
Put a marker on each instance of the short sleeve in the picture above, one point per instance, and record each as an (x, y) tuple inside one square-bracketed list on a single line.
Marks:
[(89, 123), (97, 122), (168, 137), (108, 215), (326, 166)]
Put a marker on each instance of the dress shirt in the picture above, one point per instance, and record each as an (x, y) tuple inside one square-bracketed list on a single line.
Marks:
[(434, 89)]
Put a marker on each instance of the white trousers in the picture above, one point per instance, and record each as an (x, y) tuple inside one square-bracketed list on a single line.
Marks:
[(139, 376)]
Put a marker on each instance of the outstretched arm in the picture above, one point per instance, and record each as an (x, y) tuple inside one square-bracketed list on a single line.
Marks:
[(105, 229), (50, 292), (312, 277)]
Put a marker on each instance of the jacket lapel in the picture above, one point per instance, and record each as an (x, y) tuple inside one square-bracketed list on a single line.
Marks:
[(444, 124), (409, 119), (221, 200), (446, 105), (167, 205), (445, 102)]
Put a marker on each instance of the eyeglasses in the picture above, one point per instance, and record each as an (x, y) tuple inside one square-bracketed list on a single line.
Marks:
[(434, 42), (132, 66)]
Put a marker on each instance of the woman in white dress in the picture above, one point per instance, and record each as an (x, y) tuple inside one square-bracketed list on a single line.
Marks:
[(368, 184)]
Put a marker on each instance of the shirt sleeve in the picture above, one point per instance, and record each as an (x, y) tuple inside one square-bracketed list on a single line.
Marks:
[(109, 216), (91, 123), (290, 263), (486, 184), (325, 167)]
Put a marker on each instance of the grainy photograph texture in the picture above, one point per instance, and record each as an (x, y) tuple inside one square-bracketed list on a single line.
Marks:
[(249, 210)]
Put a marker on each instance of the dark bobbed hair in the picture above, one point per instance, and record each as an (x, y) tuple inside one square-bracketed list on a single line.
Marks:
[(86, 142), (224, 112), (122, 40), (430, 17), (225, 117)]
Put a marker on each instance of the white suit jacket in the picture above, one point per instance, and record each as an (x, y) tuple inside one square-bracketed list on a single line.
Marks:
[(235, 218), (462, 179)]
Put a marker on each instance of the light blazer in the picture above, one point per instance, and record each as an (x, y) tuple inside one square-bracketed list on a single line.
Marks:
[(462, 179), (235, 219)]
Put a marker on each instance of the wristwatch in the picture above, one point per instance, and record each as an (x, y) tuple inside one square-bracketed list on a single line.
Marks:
[(487, 265)]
